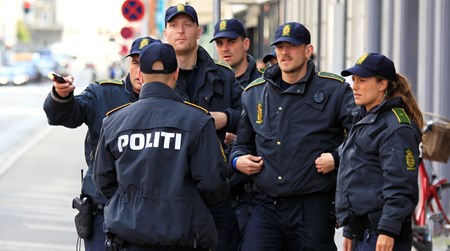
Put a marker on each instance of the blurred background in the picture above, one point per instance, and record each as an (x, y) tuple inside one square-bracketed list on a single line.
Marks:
[(40, 165)]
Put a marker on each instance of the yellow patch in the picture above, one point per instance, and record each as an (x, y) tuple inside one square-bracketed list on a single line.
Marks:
[(223, 25), (196, 106), (259, 114), (362, 58), (143, 43), (286, 30), (180, 7), (117, 108), (409, 158)]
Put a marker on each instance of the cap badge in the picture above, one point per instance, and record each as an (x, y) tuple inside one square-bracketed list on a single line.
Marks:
[(286, 30), (180, 7), (143, 43), (362, 58), (223, 25), (259, 114)]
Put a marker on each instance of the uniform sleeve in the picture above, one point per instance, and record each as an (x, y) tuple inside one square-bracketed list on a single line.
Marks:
[(348, 109), (399, 157), (104, 171), (208, 166), (72, 111), (245, 142), (234, 112)]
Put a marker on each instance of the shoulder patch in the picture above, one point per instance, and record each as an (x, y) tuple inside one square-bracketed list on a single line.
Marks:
[(401, 115), (261, 70), (117, 108), (324, 74), (222, 63), (255, 82), (109, 81), (196, 106)]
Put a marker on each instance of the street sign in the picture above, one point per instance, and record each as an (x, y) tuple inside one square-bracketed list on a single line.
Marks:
[(133, 10), (126, 32)]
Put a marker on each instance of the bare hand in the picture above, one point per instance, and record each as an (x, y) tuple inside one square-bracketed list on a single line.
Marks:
[(385, 243), (347, 245), (325, 163), (229, 138), (220, 119), (64, 89), (249, 164)]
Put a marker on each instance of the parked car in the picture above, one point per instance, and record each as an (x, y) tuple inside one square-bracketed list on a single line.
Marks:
[(13, 75), (32, 70)]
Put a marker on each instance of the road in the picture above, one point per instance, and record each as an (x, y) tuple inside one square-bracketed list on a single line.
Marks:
[(40, 174)]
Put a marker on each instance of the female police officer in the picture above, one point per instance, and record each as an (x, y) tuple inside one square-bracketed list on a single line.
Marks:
[(377, 181)]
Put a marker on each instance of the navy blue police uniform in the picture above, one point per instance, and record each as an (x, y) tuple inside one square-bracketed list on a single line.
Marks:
[(250, 74), (160, 164), (212, 85), (90, 108), (289, 129), (377, 183), (377, 189)]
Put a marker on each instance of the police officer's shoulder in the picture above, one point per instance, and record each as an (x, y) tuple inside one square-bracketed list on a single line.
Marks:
[(329, 75), (401, 115), (196, 106), (117, 108), (254, 83), (261, 70), (109, 82), (222, 63)]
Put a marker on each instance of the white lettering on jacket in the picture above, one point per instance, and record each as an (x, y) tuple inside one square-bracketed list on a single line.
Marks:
[(139, 141)]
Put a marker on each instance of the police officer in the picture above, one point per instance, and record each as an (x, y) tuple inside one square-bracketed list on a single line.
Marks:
[(270, 58), (210, 84), (232, 45), (62, 107), (291, 116), (377, 188), (160, 164)]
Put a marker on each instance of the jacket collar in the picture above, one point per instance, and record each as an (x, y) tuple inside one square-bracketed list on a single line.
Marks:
[(129, 88), (160, 90), (273, 76), (369, 117)]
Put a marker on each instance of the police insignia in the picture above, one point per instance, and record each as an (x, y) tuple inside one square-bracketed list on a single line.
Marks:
[(319, 97), (286, 30), (143, 43), (362, 58), (410, 162), (180, 7), (223, 25), (259, 114)]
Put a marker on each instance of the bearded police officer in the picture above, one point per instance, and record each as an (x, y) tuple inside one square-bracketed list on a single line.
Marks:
[(64, 108), (161, 165)]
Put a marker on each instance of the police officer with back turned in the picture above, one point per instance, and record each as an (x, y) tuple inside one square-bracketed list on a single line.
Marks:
[(160, 164)]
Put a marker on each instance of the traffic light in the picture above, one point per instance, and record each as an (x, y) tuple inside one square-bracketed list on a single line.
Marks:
[(26, 7)]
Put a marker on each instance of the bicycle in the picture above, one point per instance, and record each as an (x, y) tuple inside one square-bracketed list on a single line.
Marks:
[(432, 215)]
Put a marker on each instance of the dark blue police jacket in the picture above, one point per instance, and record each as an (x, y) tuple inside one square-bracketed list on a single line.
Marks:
[(160, 164), (90, 108), (216, 90), (290, 129), (379, 167)]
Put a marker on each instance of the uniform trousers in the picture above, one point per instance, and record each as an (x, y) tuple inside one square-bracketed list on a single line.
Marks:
[(303, 222), (98, 238)]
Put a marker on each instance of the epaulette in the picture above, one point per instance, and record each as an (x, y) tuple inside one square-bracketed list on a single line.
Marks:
[(324, 74), (196, 106), (117, 108), (109, 81), (222, 63), (255, 82), (261, 70), (401, 115)]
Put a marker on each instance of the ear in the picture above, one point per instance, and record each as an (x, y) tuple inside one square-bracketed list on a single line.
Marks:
[(246, 43), (199, 32), (383, 85), (309, 50)]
